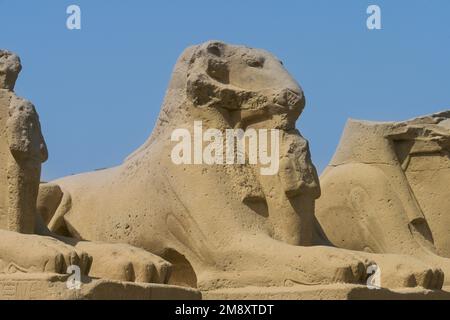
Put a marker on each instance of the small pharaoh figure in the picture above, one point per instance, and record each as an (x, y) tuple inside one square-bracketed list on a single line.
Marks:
[(22, 151), (25, 245)]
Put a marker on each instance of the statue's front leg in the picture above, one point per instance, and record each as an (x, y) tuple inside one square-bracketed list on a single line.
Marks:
[(37, 254), (125, 263), (110, 261), (262, 261)]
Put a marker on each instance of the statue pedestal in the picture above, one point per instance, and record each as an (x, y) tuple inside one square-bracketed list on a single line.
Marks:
[(324, 292), (53, 287)]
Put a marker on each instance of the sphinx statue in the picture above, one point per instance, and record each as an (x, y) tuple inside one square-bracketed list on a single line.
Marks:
[(222, 226), (385, 190), (22, 150), (30, 255)]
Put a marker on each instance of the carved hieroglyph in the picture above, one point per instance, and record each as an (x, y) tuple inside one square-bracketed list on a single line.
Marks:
[(386, 189), (35, 266), (222, 226)]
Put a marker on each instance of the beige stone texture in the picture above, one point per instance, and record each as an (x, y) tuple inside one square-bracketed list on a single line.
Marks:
[(153, 229), (385, 190), (324, 292), (225, 226), (32, 256), (23, 150), (45, 286)]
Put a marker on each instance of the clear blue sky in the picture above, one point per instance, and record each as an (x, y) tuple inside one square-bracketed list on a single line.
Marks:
[(98, 90)]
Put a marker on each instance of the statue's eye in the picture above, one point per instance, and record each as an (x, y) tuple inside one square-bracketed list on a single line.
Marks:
[(255, 62)]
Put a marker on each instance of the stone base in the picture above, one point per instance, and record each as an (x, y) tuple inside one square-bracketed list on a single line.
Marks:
[(324, 292), (53, 287)]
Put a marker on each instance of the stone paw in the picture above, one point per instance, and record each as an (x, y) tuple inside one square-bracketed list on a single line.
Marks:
[(126, 263), (33, 253)]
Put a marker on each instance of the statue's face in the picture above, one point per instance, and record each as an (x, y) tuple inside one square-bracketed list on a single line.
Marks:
[(423, 150), (277, 93), (251, 84), (9, 69), (252, 89)]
